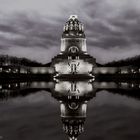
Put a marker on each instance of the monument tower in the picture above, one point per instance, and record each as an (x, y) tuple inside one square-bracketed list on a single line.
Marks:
[(73, 57), (73, 38)]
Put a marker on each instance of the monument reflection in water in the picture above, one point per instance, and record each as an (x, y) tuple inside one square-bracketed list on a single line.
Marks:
[(72, 95)]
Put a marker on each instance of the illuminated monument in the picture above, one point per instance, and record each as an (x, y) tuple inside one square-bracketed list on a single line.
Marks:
[(73, 58)]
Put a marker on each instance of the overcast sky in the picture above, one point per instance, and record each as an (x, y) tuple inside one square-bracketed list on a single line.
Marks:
[(33, 28)]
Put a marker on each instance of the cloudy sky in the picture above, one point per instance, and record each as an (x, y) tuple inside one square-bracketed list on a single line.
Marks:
[(33, 28)]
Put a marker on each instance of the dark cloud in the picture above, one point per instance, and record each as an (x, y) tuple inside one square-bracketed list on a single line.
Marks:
[(21, 34), (25, 31), (120, 30)]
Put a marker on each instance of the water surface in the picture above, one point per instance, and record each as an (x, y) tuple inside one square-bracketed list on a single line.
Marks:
[(33, 113)]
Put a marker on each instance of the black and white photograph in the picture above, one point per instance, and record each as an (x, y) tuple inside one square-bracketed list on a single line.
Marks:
[(69, 70)]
